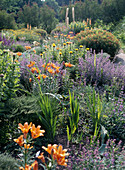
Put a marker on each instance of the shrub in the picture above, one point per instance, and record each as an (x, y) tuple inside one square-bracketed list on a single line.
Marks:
[(76, 27), (41, 32), (98, 39), (25, 35), (60, 28), (19, 48), (8, 162), (7, 21)]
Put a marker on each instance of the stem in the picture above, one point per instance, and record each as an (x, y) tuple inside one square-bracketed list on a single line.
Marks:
[(25, 155)]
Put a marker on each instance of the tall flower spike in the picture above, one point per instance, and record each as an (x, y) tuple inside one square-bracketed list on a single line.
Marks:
[(25, 128), (36, 132)]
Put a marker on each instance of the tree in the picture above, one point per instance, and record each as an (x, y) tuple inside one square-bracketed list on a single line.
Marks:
[(7, 21), (47, 18)]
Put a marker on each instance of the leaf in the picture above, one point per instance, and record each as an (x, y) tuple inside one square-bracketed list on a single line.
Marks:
[(102, 149)]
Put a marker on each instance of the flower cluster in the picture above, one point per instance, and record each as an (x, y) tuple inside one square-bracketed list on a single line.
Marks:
[(35, 132), (57, 154)]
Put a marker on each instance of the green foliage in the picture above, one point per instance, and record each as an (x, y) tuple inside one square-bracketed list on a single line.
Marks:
[(8, 162), (119, 32), (47, 19), (73, 118), (19, 48), (42, 32), (100, 24), (9, 76), (47, 118), (94, 105), (60, 28), (114, 110), (98, 39), (76, 27), (7, 21)]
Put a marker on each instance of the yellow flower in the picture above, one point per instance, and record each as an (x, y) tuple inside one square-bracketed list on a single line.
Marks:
[(81, 46), (54, 45), (64, 44), (60, 53), (87, 49), (76, 49), (70, 52)]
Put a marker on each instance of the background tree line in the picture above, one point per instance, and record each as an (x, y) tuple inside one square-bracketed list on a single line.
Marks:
[(18, 13)]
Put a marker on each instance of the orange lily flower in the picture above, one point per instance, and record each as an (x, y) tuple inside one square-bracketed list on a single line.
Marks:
[(69, 65), (34, 51), (57, 153), (32, 63), (49, 149), (25, 128), (19, 53), (42, 157), (30, 80), (57, 70), (43, 65), (44, 76), (48, 64), (50, 70), (27, 47), (28, 167), (38, 77), (27, 146), (53, 65), (36, 132), (35, 165), (20, 140), (33, 69)]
